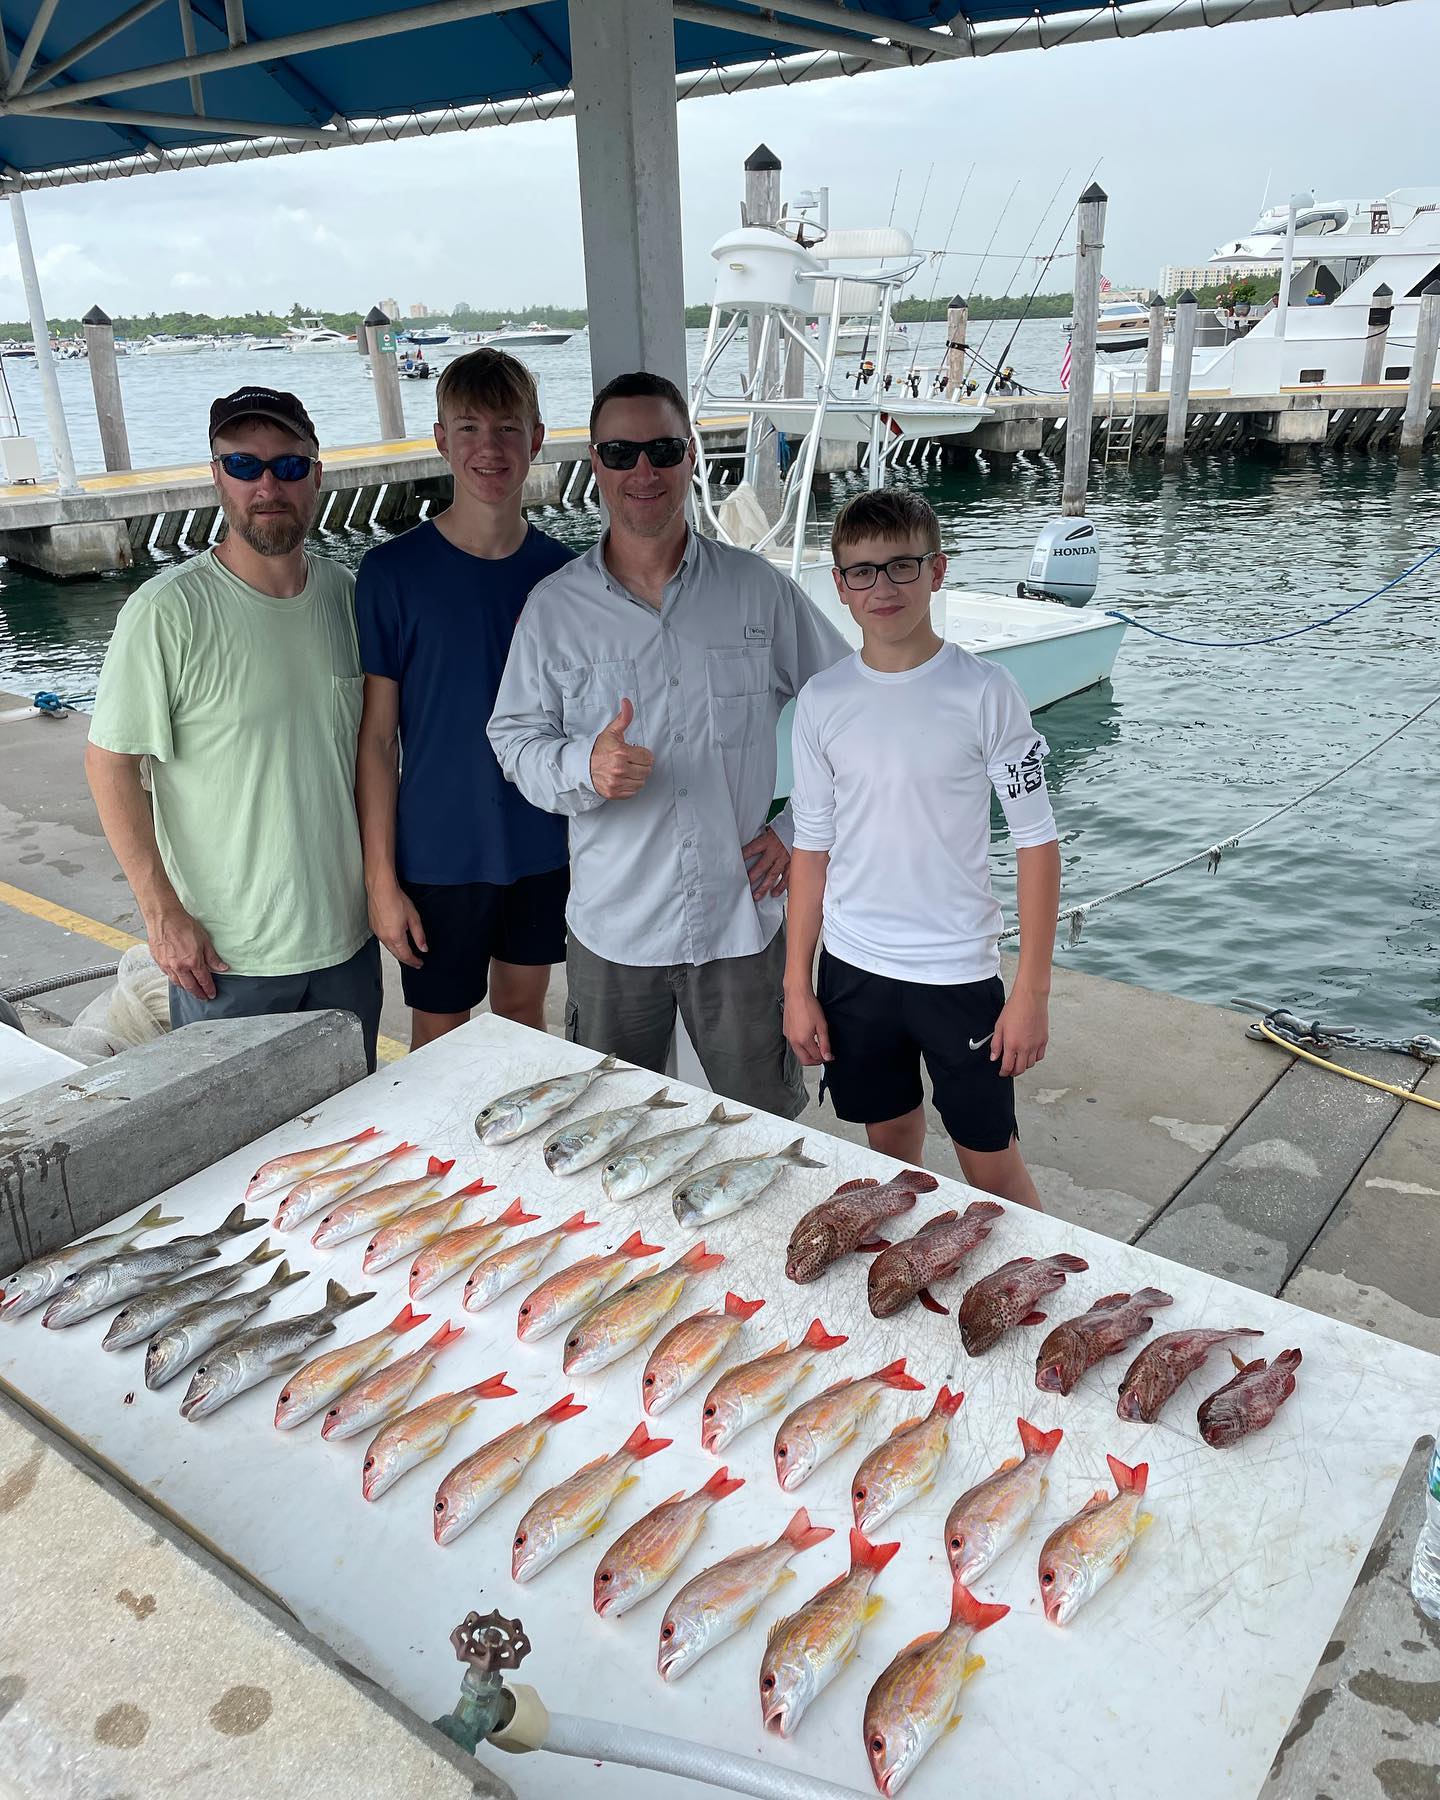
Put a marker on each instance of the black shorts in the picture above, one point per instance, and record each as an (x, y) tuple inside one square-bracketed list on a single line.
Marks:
[(468, 924), (881, 1028)]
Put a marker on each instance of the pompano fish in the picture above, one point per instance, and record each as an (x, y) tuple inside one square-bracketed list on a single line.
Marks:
[(528, 1108), (472, 1487), (287, 1171), (1076, 1345), (575, 1509), (723, 1599), (916, 1700), (417, 1230), (627, 1318), (199, 1328), (571, 1148), (716, 1192), (642, 1559), (570, 1292), (369, 1211), (319, 1192), (986, 1520), (133, 1271), (1081, 1555), (847, 1220), (904, 1272), (656, 1159), (757, 1389), (805, 1652), (458, 1249), (143, 1316), (260, 1351), (311, 1389), (421, 1433), (1007, 1297), (691, 1349), (32, 1285), (497, 1273), (1249, 1400), (905, 1465), (1163, 1364), (383, 1393), (818, 1428)]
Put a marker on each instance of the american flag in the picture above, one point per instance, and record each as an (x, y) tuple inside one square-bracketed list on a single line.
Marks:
[(1104, 284), (1065, 369)]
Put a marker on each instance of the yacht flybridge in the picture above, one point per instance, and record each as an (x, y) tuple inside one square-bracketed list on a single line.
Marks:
[(771, 283)]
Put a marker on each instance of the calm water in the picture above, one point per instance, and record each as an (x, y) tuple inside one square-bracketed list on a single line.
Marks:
[(1337, 908)]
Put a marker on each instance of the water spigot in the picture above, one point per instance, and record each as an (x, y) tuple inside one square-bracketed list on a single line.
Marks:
[(486, 1646)]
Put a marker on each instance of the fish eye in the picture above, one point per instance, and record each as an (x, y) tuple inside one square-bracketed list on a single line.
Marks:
[(1047, 1578), (439, 1508), (520, 1540), (877, 1744), (649, 1381), (767, 1682), (285, 1397), (667, 1631), (709, 1412), (782, 1451), (958, 1541), (859, 1493), (370, 1246), (369, 1464), (202, 1370), (604, 1576), (524, 1309)]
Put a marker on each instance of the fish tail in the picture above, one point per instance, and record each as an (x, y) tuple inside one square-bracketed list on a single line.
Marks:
[(795, 1153), (865, 1555), (436, 1167), (895, 1375), (235, 1222), (481, 1186), (947, 1403), (919, 1181), (1036, 1441), (635, 1245), (736, 1308), (721, 1483), (800, 1534), (578, 1222), (969, 1609), (698, 1258), (493, 1387), (1128, 1480), (984, 1209), (264, 1252), (565, 1408), (447, 1334), (1152, 1297), (720, 1117), (406, 1319), (284, 1277), (338, 1301), (1071, 1264), (363, 1137), (515, 1214), (660, 1101), (818, 1338), (399, 1150), (154, 1219), (1287, 1359), (605, 1065), (640, 1444)]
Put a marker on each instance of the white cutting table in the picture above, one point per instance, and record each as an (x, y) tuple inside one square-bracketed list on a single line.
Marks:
[(1180, 1678)]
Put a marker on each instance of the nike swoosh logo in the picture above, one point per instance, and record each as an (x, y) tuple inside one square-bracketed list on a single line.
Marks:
[(980, 1043)]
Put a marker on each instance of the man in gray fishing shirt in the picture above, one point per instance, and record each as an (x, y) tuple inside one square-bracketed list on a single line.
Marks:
[(641, 695)]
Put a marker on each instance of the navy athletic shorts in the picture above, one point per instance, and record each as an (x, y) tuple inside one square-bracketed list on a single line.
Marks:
[(467, 924)]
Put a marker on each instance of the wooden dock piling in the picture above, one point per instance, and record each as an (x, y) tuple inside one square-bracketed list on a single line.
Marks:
[(1422, 376), (1178, 412), (381, 341), (1155, 344), (957, 330), (1084, 317), (105, 384), (762, 207), (1376, 332)]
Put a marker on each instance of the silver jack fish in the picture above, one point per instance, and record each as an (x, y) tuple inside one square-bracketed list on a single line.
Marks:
[(132, 1272), (528, 1108), (571, 1148), (658, 1158), (716, 1192), (31, 1286), (253, 1355), (147, 1313), (199, 1328)]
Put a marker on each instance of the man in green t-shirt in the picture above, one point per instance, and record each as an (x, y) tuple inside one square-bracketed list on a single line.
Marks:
[(237, 674)]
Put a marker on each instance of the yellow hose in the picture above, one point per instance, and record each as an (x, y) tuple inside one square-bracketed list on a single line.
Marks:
[(1385, 1087)]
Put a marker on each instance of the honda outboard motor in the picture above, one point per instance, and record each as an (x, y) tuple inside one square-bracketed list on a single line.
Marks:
[(1065, 564)]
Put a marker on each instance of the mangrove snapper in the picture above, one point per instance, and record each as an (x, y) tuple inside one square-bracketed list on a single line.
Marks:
[(88, 1291), (143, 1316)]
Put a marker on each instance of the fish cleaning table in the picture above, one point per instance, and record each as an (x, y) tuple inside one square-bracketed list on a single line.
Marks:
[(1192, 1660)]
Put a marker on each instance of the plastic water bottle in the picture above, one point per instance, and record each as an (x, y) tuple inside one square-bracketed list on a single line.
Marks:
[(1425, 1570)]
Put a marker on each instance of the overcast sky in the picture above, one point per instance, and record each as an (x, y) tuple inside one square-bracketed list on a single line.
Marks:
[(1186, 128)]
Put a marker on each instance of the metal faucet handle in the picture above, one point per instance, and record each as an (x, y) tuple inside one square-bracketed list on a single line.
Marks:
[(491, 1643)]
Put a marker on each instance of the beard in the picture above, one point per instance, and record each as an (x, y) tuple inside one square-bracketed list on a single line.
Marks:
[(270, 533)]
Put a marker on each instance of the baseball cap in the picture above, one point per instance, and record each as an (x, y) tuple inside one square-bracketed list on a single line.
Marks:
[(263, 403)]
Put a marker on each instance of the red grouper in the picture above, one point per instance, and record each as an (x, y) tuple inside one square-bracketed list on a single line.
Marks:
[(905, 1271), (1078, 1344), (1007, 1298), (1249, 1400), (847, 1221), (1163, 1364)]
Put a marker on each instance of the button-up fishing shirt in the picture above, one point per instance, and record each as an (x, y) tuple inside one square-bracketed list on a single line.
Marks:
[(658, 878)]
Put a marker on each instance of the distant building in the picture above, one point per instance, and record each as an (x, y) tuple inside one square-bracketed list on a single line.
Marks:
[(390, 308), (419, 310), (1173, 278)]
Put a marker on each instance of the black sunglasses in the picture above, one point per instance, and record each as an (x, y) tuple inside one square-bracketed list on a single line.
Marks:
[(624, 453), (242, 466), (902, 570)]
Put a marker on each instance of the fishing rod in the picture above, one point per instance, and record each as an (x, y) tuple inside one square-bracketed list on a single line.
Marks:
[(1040, 276), (939, 261), (1020, 260)]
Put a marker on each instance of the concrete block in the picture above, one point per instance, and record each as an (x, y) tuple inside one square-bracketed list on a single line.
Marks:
[(66, 550), (78, 1153), (138, 1664), (1293, 427), (543, 484), (1006, 437), (1253, 1210)]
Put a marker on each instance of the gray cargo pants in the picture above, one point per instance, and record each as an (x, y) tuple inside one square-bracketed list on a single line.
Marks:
[(732, 1010)]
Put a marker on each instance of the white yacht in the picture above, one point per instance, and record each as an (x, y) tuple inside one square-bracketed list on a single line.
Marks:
[(158, 344), (310, 338), (1121, 325), (517, 337)]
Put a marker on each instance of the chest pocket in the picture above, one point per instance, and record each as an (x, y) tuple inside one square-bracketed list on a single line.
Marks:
[(347, 692), (741, 688), (591, 696)]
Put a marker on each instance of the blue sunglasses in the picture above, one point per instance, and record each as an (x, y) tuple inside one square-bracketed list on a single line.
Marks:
[(242, 466)]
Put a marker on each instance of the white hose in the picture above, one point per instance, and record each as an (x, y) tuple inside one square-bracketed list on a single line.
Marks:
[(571, 1735)]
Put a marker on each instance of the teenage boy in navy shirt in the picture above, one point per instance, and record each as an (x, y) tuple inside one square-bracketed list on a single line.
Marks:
[(896, 752), (467, 882)]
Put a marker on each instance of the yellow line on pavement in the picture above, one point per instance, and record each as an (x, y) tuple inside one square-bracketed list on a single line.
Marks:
[(66, 919)]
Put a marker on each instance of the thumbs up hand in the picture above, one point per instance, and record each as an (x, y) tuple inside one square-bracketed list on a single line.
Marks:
[(618, 769)]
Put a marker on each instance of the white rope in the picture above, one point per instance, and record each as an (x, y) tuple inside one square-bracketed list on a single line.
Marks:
[(1077, 915)]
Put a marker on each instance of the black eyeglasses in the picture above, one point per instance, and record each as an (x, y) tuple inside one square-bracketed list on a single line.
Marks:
[(624, 453), (901, 570), (242, 466)]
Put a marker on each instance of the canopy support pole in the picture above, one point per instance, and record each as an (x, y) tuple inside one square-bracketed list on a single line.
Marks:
[(44, 362)]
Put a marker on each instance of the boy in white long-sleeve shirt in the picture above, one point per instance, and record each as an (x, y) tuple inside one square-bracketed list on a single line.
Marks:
[(896, 752)]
